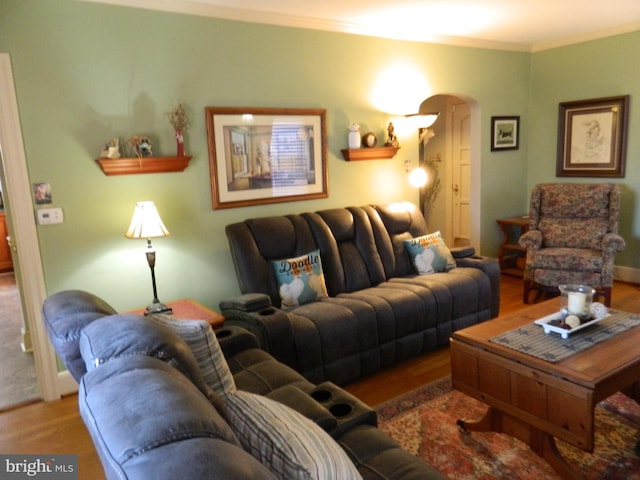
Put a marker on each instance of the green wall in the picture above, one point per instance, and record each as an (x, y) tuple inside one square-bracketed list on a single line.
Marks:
[(595, 69), (86, 72)]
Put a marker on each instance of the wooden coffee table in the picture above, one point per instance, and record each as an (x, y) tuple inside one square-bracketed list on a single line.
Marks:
[(538, 401)]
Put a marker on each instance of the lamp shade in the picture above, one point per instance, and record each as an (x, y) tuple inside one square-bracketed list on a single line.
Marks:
[(423, 120), (146, 222)]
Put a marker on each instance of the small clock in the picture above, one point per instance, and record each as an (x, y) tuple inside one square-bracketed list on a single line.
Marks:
[(369, 140)]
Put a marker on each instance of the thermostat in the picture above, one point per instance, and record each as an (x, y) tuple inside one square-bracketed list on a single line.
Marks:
[(49, 216)]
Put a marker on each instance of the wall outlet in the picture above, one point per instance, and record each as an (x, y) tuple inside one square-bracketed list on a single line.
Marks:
[(49, 216)]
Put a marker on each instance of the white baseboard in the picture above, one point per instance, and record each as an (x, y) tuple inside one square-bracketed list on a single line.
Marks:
[(66, 383), (626, 274)]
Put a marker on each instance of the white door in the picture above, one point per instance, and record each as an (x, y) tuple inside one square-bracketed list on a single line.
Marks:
[(461, 173)]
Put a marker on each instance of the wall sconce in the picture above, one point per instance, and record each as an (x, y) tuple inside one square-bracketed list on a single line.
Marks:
[(417, 176), (422, 120)]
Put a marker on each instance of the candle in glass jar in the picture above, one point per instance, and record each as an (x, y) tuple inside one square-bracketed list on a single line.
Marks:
[(576, 302)]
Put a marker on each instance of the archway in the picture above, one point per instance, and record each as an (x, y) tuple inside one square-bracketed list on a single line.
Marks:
[(450, 151)]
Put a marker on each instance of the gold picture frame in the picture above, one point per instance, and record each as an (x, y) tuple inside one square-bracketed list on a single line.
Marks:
[(260, 155)]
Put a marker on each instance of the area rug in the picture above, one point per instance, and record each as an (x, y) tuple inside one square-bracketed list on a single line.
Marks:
[(423, 422)]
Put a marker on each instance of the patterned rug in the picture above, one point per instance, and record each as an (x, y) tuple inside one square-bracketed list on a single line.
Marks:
[(423, 422)]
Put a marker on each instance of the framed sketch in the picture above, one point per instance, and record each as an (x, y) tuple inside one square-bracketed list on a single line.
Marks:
[(505, 133), (592, 137), (266, 155)]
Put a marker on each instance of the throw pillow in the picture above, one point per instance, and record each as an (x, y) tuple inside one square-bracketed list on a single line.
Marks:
[(300, 279), (202, 341), (430, 254), (289, 444)]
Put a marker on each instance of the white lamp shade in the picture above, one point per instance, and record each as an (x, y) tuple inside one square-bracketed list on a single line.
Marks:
[(146, 222)]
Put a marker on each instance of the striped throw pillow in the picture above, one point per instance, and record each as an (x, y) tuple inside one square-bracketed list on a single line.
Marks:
[(202, 341), (286, 442)]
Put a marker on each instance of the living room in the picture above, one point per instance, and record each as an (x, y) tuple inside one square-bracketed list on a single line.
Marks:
[(87, 72)]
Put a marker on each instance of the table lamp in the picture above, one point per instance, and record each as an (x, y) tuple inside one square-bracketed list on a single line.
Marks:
[(146, 223)]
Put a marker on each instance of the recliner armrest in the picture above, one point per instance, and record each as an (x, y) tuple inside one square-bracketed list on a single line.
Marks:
[(234, 340), (531, 239), (271, 326), (462, 252), (249, 302), (612, 243)]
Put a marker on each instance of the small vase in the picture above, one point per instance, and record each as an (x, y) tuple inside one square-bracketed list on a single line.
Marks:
[(354, 136), (180, 144)]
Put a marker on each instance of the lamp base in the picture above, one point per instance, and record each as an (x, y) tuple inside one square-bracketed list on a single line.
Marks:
[(157, 307)]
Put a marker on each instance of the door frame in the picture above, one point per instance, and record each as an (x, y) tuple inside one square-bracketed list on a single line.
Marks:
[(476, 170), (23, 230)]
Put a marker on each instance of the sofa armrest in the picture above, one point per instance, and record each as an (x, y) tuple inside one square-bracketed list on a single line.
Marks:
[(249, 302), (234, 340), (271, 326), (303, 403), (462, 252), (491, 268)]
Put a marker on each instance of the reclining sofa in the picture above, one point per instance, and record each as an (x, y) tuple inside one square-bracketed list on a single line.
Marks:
[(163, 398), (377, 309)]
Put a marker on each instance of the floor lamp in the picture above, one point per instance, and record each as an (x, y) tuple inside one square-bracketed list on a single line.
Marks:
[(146, 223)]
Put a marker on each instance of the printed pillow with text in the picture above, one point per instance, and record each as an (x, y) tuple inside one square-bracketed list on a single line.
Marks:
[(430, 254), (300, 279)]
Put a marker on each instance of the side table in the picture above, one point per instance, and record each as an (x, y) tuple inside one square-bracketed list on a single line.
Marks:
[(512, 256), (190, 309)]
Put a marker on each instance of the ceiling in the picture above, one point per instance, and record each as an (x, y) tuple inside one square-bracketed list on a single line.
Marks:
[(521, 25)]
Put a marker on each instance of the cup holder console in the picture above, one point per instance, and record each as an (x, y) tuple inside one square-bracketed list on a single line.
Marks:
[(340, 410), (266, 311), (347, 409), (320, 395), (223, 332)]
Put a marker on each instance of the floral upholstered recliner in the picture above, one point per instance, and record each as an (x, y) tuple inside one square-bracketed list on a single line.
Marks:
[(573, 236)]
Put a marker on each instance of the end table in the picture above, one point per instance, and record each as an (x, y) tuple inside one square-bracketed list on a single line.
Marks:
[(190, 309)]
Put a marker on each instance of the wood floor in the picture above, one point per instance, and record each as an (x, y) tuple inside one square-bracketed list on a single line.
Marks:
[(56, 427)]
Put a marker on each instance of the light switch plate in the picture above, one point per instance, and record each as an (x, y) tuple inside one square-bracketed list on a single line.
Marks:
[(49, 216)]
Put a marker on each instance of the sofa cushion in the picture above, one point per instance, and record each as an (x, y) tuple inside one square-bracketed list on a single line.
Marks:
[(131, 335), (202, 341), (300, 279), (292, 446), (430, 254)]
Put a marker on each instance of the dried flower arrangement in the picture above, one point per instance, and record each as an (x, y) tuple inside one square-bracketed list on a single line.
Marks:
[(180, 123)]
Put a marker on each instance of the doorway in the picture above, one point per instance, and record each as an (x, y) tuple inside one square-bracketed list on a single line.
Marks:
[(450, 153), (26, 257)]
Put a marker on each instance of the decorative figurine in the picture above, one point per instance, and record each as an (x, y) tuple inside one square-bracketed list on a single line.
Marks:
[(393, 140), (111, 149), (142, 146), (180, 123)]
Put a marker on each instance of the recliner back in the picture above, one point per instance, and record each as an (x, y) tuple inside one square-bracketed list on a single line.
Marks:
[(574, 215), (350, 258), (360, 247)]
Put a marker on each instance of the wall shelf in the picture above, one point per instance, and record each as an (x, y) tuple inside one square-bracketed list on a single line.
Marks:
[(374, 153), (133, 166)]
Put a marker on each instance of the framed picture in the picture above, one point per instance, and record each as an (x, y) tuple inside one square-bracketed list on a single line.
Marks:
[(266, 155), (592, 138), (505, 133)]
